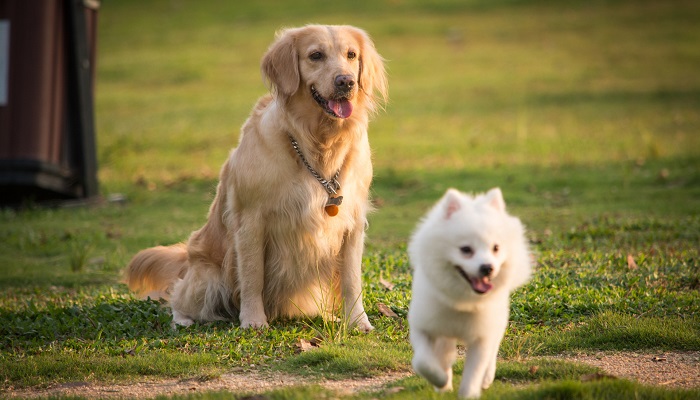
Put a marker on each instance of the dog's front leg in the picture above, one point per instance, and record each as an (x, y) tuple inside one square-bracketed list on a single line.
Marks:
[(480, 358), (250, 252), (431, 361), (446, 351), (490, 374), (351, 280)]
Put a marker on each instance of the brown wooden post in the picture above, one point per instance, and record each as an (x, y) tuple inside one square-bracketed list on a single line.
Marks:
[(47, 134)]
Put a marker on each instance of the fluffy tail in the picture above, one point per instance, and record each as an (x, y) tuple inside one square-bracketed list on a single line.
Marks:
[(153, 272)]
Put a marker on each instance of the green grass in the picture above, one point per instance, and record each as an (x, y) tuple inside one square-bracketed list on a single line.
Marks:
[(585, 113)]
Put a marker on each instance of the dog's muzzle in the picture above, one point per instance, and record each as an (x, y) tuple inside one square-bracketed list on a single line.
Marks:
[(480, 284), (340, 106)]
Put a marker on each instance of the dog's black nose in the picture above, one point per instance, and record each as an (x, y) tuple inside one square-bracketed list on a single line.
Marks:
[(344, 82), (485, 269)]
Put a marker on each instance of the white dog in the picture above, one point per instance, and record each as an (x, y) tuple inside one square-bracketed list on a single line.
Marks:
[(468, 254)]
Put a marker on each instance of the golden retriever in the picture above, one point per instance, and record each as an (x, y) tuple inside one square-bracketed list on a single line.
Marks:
[(284, 236)]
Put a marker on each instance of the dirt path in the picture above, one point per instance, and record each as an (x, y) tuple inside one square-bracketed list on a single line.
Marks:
[(240, 383), (670, 369)]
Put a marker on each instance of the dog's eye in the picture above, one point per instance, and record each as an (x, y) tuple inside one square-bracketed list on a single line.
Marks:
[(316, 56), (352, 55), (466, 250), (495, 248)]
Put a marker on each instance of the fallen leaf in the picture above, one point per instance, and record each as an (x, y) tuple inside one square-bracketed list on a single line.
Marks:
[(596, 377), (306, 345), (386, 311), (387, 285), (630, 262), (316, 341)]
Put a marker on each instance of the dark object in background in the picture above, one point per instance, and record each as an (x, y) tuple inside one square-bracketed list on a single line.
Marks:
[(47, 132)]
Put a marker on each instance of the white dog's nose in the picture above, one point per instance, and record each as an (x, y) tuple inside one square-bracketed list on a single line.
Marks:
[(485, 269)]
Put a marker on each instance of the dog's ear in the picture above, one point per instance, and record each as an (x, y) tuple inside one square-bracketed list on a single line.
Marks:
[(494, 198), (280, 65), (372, 77), (451, 202)]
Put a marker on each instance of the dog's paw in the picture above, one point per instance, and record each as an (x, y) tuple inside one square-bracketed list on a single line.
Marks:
[(180, 319), (488, 380), (252, 315), (365, 327), (467, 391), (448, 385), (433, 373), (254, 324), (445, 389), (361, 322)]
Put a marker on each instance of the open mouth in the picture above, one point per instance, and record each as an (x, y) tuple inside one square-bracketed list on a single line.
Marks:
[(480, 284), (339, 108)]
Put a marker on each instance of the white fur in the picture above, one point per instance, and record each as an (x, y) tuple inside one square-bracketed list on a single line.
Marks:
[(445, 308)]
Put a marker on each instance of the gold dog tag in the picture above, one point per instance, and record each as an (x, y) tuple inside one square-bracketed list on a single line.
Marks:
[(332, 205)]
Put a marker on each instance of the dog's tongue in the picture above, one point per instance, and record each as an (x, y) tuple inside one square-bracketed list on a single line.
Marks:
[(481, 285), (341, 108)]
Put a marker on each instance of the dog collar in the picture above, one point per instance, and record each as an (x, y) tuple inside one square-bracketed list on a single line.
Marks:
[(331, 186)]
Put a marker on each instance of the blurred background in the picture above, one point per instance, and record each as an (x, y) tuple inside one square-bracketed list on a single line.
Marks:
[(593, 94)]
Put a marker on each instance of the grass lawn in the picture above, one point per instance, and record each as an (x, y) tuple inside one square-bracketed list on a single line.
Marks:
[(585, 113)]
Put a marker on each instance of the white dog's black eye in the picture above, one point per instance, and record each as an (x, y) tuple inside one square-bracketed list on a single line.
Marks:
[(466, 250), (316, 56), (495, 248), (351, 55)]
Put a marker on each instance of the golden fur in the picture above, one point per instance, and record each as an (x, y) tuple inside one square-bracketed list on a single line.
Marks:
[(268, 249)]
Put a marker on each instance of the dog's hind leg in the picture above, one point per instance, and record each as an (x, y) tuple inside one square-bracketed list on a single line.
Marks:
[(201, 295)]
